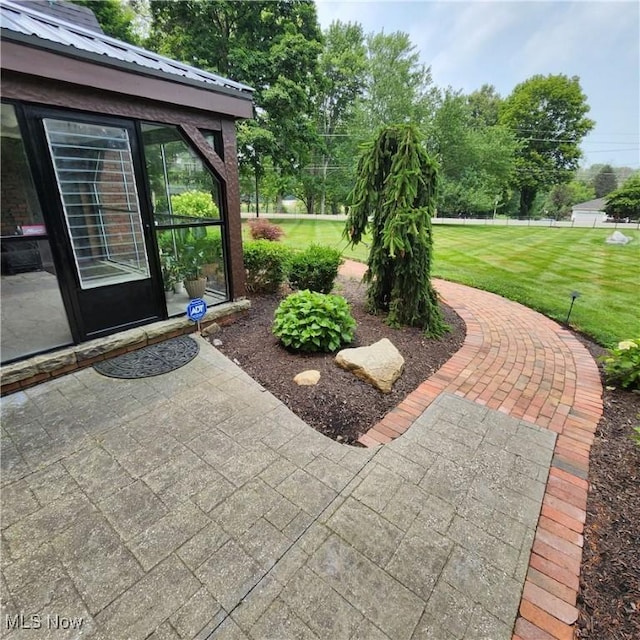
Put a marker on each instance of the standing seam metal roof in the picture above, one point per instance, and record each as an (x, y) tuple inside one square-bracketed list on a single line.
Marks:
[(28, 22)]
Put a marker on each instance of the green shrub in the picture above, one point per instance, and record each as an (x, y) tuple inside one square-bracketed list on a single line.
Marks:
[(312, 321), (315, 268), (265, 265), (194, 204), (622, 365)]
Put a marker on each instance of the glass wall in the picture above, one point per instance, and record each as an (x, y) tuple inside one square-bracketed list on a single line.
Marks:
[(97, 185), (33, 314), (186, 199)]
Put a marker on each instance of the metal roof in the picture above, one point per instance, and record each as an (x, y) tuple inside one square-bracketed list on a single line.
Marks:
[(27, 25)]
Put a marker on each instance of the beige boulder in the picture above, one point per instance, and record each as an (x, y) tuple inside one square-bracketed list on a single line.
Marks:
[(307, 378), (379, 364)]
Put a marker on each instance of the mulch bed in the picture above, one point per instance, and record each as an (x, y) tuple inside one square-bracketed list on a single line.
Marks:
[(609, 598), (343, 407)]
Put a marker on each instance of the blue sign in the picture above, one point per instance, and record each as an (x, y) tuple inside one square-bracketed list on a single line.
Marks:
[(196, 309)]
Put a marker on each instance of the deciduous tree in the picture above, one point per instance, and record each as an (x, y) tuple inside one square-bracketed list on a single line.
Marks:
[(548, 116), (604, 182), (624, 202)]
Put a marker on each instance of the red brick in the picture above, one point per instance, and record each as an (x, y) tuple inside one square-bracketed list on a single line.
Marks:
[(559, 543), (564, 475), (566, 508), (368, 441), (561, 531), (374, 434), (562, 518), (551, 553), (10, 388), (388, 430), (528, 631), (550, 603), (545, 621), (552, 586)]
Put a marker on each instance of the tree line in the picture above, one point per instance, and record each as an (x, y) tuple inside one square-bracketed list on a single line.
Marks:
[(320, 96)]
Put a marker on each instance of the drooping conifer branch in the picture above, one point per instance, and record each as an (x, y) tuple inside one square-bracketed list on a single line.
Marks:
[(394, 195)]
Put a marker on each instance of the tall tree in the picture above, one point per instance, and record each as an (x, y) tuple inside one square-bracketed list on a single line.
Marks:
[(476, 159), (395, 196), (484, 106), (341, 81), (624, 202), (548, 115), (605, 181), (398, 87), (116, 17), (562, 197), (271, 46)]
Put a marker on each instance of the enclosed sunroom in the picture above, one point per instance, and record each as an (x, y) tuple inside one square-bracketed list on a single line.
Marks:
[(119, 182)]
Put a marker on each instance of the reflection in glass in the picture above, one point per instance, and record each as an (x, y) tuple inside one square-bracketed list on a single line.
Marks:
[(94, 171), (183, 191), (33, 314), (186, 204)]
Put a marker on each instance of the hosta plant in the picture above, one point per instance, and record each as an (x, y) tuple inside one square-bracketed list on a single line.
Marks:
[(312, 321), (622, 365)]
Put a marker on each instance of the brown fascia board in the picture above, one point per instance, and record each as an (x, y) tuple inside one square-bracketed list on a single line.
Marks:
[(125, 78)]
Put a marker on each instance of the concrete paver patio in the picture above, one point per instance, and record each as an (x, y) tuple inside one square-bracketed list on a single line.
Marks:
[(196, 505)]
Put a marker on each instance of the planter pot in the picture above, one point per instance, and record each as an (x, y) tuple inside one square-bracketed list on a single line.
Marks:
[(196, 288), (178, 287)]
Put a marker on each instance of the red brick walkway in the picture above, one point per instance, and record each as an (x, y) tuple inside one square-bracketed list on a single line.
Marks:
[(519, 362)]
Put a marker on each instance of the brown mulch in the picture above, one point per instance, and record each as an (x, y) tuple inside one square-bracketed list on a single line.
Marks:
[(340, 406), (609, 598), (343, 407)]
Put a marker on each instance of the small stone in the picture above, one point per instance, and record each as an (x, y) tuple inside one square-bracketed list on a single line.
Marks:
[(214, 327), (216, 342), (307, 378)]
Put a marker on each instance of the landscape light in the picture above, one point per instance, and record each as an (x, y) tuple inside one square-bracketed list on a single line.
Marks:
[(574, 295)]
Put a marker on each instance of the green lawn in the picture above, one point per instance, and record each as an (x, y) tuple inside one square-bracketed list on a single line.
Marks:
[(536, 266)]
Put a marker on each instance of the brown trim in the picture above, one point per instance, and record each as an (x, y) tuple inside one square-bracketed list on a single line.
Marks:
[(55, 94), (49, 65), (194, 134), (234, 221)]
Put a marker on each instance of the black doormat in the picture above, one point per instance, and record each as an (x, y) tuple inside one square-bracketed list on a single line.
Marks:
[(152, 360)]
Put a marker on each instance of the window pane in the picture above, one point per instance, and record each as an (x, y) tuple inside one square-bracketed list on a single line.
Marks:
[(182, 188), (33, 314), (95, 175), (21, 213), (181, 250)]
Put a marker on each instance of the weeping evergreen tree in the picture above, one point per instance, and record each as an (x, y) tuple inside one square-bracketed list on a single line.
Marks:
[(395, 195)]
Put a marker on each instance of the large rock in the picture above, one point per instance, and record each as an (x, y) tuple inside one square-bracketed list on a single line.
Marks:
[(308, 378), (380, 364), (617, 238)]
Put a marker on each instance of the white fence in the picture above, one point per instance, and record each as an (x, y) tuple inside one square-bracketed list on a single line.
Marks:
[(498, 222)]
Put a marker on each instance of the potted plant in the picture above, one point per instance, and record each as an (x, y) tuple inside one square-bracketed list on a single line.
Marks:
[(191, 262), (170, 272)]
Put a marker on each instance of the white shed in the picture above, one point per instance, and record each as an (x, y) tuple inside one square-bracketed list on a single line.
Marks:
[(589, 212)]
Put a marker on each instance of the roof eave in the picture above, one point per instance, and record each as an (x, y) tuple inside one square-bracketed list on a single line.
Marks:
[(131, 67)]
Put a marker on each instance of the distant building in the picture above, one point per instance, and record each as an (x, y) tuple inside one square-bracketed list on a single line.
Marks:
[(589, 212)]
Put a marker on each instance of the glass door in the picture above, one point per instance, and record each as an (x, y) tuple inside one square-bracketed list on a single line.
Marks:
[(107, 237)]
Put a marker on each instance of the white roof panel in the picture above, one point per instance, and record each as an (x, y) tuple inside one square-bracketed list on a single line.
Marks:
[(28, 22)]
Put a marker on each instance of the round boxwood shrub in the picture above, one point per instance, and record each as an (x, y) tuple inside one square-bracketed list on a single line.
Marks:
[(312, 321), (315, 268)]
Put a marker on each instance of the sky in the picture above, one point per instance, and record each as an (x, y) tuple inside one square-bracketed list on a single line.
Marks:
[(468, 43)]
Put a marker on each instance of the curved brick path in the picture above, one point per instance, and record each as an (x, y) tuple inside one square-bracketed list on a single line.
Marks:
[(519, 362)]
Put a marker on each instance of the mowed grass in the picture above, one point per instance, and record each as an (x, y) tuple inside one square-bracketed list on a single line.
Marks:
[(536, 266)]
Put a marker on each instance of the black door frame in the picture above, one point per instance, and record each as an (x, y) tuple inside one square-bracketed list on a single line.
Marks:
[(52, 207)]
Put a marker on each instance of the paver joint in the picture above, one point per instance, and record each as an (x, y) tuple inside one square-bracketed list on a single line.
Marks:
[(196, 505)]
